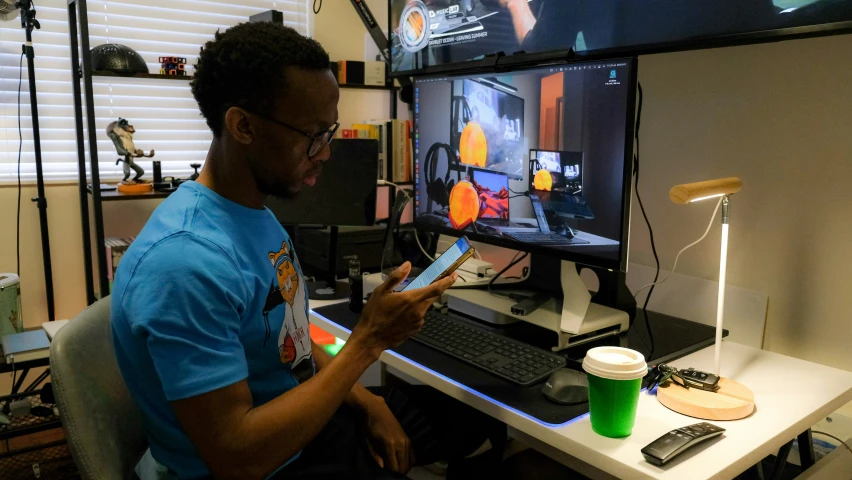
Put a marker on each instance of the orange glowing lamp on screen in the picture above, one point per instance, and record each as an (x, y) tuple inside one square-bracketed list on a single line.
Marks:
[(464, 205), (473, 147), (543, 181)]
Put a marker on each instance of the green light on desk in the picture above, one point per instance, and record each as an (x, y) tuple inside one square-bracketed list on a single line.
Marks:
[(335, 348)]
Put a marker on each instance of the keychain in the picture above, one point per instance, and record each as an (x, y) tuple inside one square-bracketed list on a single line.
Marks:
[(684, 378)]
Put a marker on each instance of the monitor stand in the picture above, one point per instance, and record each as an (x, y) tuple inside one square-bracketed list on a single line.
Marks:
[(330, 288), (572, 316)]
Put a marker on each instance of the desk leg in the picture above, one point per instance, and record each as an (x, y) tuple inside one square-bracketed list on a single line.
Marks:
[(781, 461), (806, 449), (17, 386)]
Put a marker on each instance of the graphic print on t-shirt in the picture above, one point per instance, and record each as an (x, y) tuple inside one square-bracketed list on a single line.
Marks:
[(294, 342)]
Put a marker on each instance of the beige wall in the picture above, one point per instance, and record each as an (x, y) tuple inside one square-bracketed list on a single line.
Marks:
[(777, 115)]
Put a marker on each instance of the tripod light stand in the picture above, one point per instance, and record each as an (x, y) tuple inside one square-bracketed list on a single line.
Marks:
[(9, 11)]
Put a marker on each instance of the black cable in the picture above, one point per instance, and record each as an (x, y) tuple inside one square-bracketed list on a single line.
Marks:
[(20, 147), (317, 6), (515, 261), (647, 222)]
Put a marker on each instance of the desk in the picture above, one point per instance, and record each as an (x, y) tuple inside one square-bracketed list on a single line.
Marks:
[(783, 412)]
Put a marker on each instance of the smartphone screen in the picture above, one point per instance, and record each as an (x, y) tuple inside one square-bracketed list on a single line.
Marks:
[(440, 265)]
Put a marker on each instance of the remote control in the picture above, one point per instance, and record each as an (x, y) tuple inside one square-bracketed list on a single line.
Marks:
[(672, 444)]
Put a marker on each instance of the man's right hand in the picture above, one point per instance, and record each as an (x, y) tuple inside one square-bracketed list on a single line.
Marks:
[(389, 317)]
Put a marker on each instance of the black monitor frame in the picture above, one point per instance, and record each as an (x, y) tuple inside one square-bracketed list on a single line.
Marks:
[(496, 61), (627, 191)]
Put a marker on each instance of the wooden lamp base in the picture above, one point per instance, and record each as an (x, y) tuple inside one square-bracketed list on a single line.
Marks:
[(732, 401)]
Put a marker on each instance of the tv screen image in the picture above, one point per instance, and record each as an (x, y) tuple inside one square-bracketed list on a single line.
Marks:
[(493, 191), (430, 33), (489, 108)]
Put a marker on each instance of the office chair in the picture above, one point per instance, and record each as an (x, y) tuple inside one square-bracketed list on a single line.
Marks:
[(103, 425)]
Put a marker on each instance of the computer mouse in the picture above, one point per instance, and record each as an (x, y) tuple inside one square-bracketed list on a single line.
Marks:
[(565, 231), (566, 387)]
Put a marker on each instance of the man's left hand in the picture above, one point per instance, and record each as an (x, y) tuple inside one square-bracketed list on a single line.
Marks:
[(389, 445)]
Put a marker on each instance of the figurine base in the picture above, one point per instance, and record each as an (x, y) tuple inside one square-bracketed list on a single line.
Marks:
[(136, 188)]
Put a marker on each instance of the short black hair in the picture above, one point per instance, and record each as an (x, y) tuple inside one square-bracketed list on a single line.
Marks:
[(244, 67)]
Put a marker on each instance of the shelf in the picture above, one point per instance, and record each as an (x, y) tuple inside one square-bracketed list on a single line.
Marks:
[(27, 424), (115, 195), (368, 87), (104, 73)]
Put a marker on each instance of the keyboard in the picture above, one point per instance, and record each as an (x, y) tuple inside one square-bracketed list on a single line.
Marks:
[(511, 360), (539, 238)]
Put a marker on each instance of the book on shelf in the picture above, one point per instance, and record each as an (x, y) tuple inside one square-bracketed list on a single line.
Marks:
[(25, 346), (396, 146), (399, 149), (115, 248)]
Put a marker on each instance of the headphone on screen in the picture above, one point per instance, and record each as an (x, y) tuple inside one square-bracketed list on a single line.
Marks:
[(439, 189)]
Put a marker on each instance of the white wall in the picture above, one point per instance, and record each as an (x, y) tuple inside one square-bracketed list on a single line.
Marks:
[(779, 117)]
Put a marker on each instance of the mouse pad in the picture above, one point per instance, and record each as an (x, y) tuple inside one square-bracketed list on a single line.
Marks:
[(673, 338)]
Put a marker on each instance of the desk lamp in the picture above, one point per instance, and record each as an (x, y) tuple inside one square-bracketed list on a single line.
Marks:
[(732, 400)]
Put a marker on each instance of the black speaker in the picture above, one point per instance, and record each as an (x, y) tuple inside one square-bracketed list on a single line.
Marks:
[(117, 58)]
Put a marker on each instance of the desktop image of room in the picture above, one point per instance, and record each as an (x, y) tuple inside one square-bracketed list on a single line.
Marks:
[(538, 151)]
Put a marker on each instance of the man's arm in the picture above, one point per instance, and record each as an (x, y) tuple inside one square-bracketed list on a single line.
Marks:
[(389, 444), (359, 397), (238, 440), (522, 17)]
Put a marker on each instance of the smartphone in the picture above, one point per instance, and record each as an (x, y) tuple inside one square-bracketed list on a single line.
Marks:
[(444, 265)]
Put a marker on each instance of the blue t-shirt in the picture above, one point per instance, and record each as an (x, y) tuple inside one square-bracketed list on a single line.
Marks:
[(210, 293)]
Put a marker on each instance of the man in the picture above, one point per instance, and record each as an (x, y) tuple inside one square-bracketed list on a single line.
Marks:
[(209, 310)]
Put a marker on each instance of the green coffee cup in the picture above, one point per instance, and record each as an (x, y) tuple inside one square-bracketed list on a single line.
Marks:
[(615, 379)]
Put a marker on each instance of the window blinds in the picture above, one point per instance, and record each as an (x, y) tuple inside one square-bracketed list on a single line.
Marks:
[(164, 113)]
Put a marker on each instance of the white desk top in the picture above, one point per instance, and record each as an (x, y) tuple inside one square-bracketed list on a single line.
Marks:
[(809, 391)]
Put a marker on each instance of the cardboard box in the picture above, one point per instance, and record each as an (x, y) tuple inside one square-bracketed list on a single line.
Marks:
[(350, 72), (374, 73)]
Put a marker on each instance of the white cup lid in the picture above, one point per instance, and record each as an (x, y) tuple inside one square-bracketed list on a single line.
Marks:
[(8, 279), (615, 363)]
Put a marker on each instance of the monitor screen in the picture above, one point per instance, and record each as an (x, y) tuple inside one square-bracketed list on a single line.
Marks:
[(537, 159), (429, 33), (493, 191), (492, 107), (565, 169)]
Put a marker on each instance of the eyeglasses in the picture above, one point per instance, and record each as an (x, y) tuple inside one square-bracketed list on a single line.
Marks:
[(318, 140)]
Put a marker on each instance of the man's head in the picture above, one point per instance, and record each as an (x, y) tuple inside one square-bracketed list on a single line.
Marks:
[(264, 90)]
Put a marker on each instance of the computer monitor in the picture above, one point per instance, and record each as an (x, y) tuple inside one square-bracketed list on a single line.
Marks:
[(433, 34), (345, 192), (567, 173), (344, 196)]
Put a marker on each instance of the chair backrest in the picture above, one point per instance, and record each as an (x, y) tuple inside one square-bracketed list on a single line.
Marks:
[(103, 425)]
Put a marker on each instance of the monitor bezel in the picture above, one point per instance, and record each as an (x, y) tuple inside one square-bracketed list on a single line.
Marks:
[(627, 189)]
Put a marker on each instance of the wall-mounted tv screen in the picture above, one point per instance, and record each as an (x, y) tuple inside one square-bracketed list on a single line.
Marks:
[(430, 33)]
